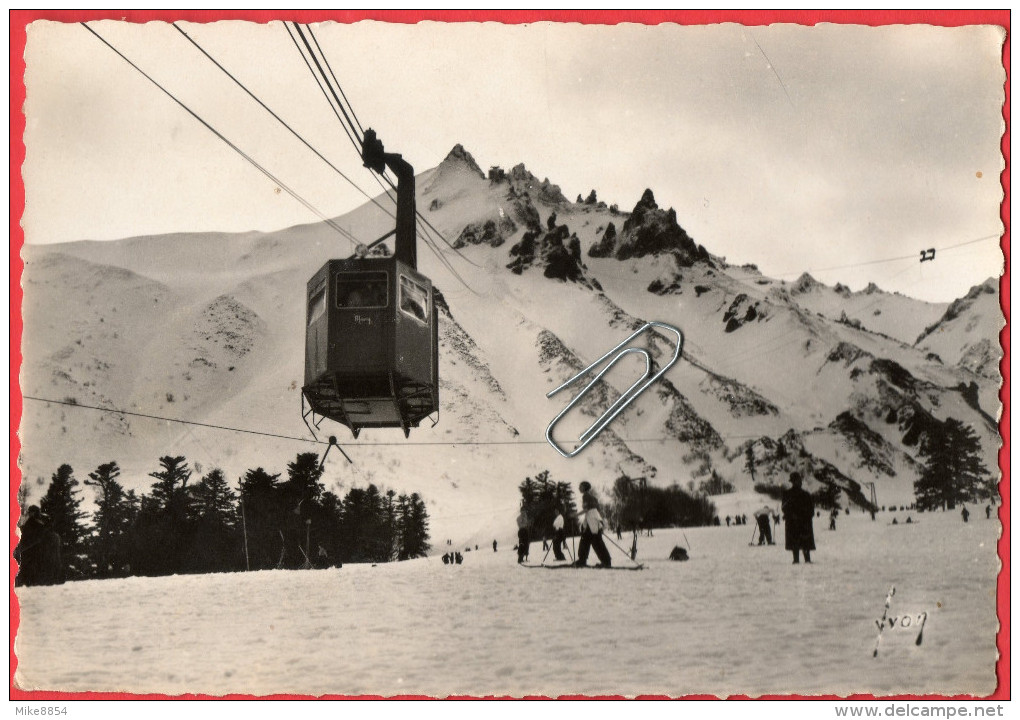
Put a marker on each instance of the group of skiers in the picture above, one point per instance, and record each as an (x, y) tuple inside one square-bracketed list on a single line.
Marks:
[(798, 511), (591, 522)]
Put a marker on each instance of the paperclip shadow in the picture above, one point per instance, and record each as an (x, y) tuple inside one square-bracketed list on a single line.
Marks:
[(631, 394)]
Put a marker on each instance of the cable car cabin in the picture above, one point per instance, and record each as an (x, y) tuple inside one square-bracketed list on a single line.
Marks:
[(371, 344)]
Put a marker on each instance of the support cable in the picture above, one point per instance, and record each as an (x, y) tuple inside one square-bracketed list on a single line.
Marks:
[(281, 121), (279, 183)]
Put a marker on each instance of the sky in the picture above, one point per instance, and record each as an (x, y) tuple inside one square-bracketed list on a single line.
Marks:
[(828, 149)]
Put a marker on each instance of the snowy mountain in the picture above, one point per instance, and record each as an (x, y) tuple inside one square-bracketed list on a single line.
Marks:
[(209, 328)]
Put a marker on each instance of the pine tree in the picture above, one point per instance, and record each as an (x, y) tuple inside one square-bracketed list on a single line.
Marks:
[(112, 521), (749, 461), (304, 480), (260, 510), (169, 489), (62, 513), (215, 545), (213, 500), (953, 471), (415, 533)]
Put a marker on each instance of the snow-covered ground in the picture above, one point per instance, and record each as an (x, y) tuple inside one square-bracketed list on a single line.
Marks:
[(733, 620)]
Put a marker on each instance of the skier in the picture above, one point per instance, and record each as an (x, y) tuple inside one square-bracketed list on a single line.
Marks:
[(559, 535), (523, 541), (798, 509), (988, 512), (591, 529), (965, 513), (493, 546), (762, 517), (832, 518)]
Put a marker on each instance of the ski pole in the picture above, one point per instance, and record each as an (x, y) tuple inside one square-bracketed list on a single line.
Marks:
[(626, 554), (546, 554), (753, 531), (686, 540)]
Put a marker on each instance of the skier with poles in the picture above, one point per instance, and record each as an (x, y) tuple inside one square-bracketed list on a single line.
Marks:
[(591, 528), (763, 517)]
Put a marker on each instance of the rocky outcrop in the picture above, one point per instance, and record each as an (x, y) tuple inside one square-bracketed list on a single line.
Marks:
[(805, 283), (558, 251), (873, 450), (493, 232), (650, 230), (606, 245), (522, 181), (742, 311)]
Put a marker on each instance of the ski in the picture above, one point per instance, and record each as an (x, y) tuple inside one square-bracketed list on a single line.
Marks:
[(567, 566)]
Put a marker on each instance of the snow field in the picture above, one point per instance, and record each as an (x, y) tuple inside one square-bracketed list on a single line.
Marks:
[(733, 620)]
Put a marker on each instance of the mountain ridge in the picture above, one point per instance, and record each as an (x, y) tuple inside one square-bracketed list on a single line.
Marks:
[(222, 320)]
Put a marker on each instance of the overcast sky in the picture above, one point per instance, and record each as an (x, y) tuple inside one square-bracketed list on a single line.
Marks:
[(796, 148)]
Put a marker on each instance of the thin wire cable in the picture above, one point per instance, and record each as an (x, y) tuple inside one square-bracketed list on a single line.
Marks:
[(318, 82), (996, 236), (349, 127), (279, 183), (281, 121), (335, 80), (404, 443), (332, 90)]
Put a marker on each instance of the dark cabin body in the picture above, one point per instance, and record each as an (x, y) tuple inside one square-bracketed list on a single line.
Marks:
[(371, 344)]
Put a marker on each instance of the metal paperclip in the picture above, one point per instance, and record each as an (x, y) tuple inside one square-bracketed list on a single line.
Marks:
[(639, 386)]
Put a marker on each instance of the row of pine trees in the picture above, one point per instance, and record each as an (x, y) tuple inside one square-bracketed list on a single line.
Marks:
[(185, 525), (633, 505)]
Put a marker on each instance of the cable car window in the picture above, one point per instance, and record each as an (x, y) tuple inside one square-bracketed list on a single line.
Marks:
[(361, 290), (317, 303), (414, 299)]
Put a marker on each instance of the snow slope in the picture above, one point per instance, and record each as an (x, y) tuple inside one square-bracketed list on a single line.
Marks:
[(733, 620)]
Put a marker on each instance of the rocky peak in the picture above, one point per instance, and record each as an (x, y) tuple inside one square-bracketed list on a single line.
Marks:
[(650, 230), (523, 181), (805, 283), (458, 155)]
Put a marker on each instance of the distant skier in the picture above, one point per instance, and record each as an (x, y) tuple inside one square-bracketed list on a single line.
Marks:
[(728, 519), (763, 517), (798, 509), (493, 546), (832, 518), (523, 541), (559, 535), (988, 512), (591, 528), (965, 513)]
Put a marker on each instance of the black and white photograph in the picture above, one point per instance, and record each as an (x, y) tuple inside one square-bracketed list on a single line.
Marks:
[(510, 358)]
